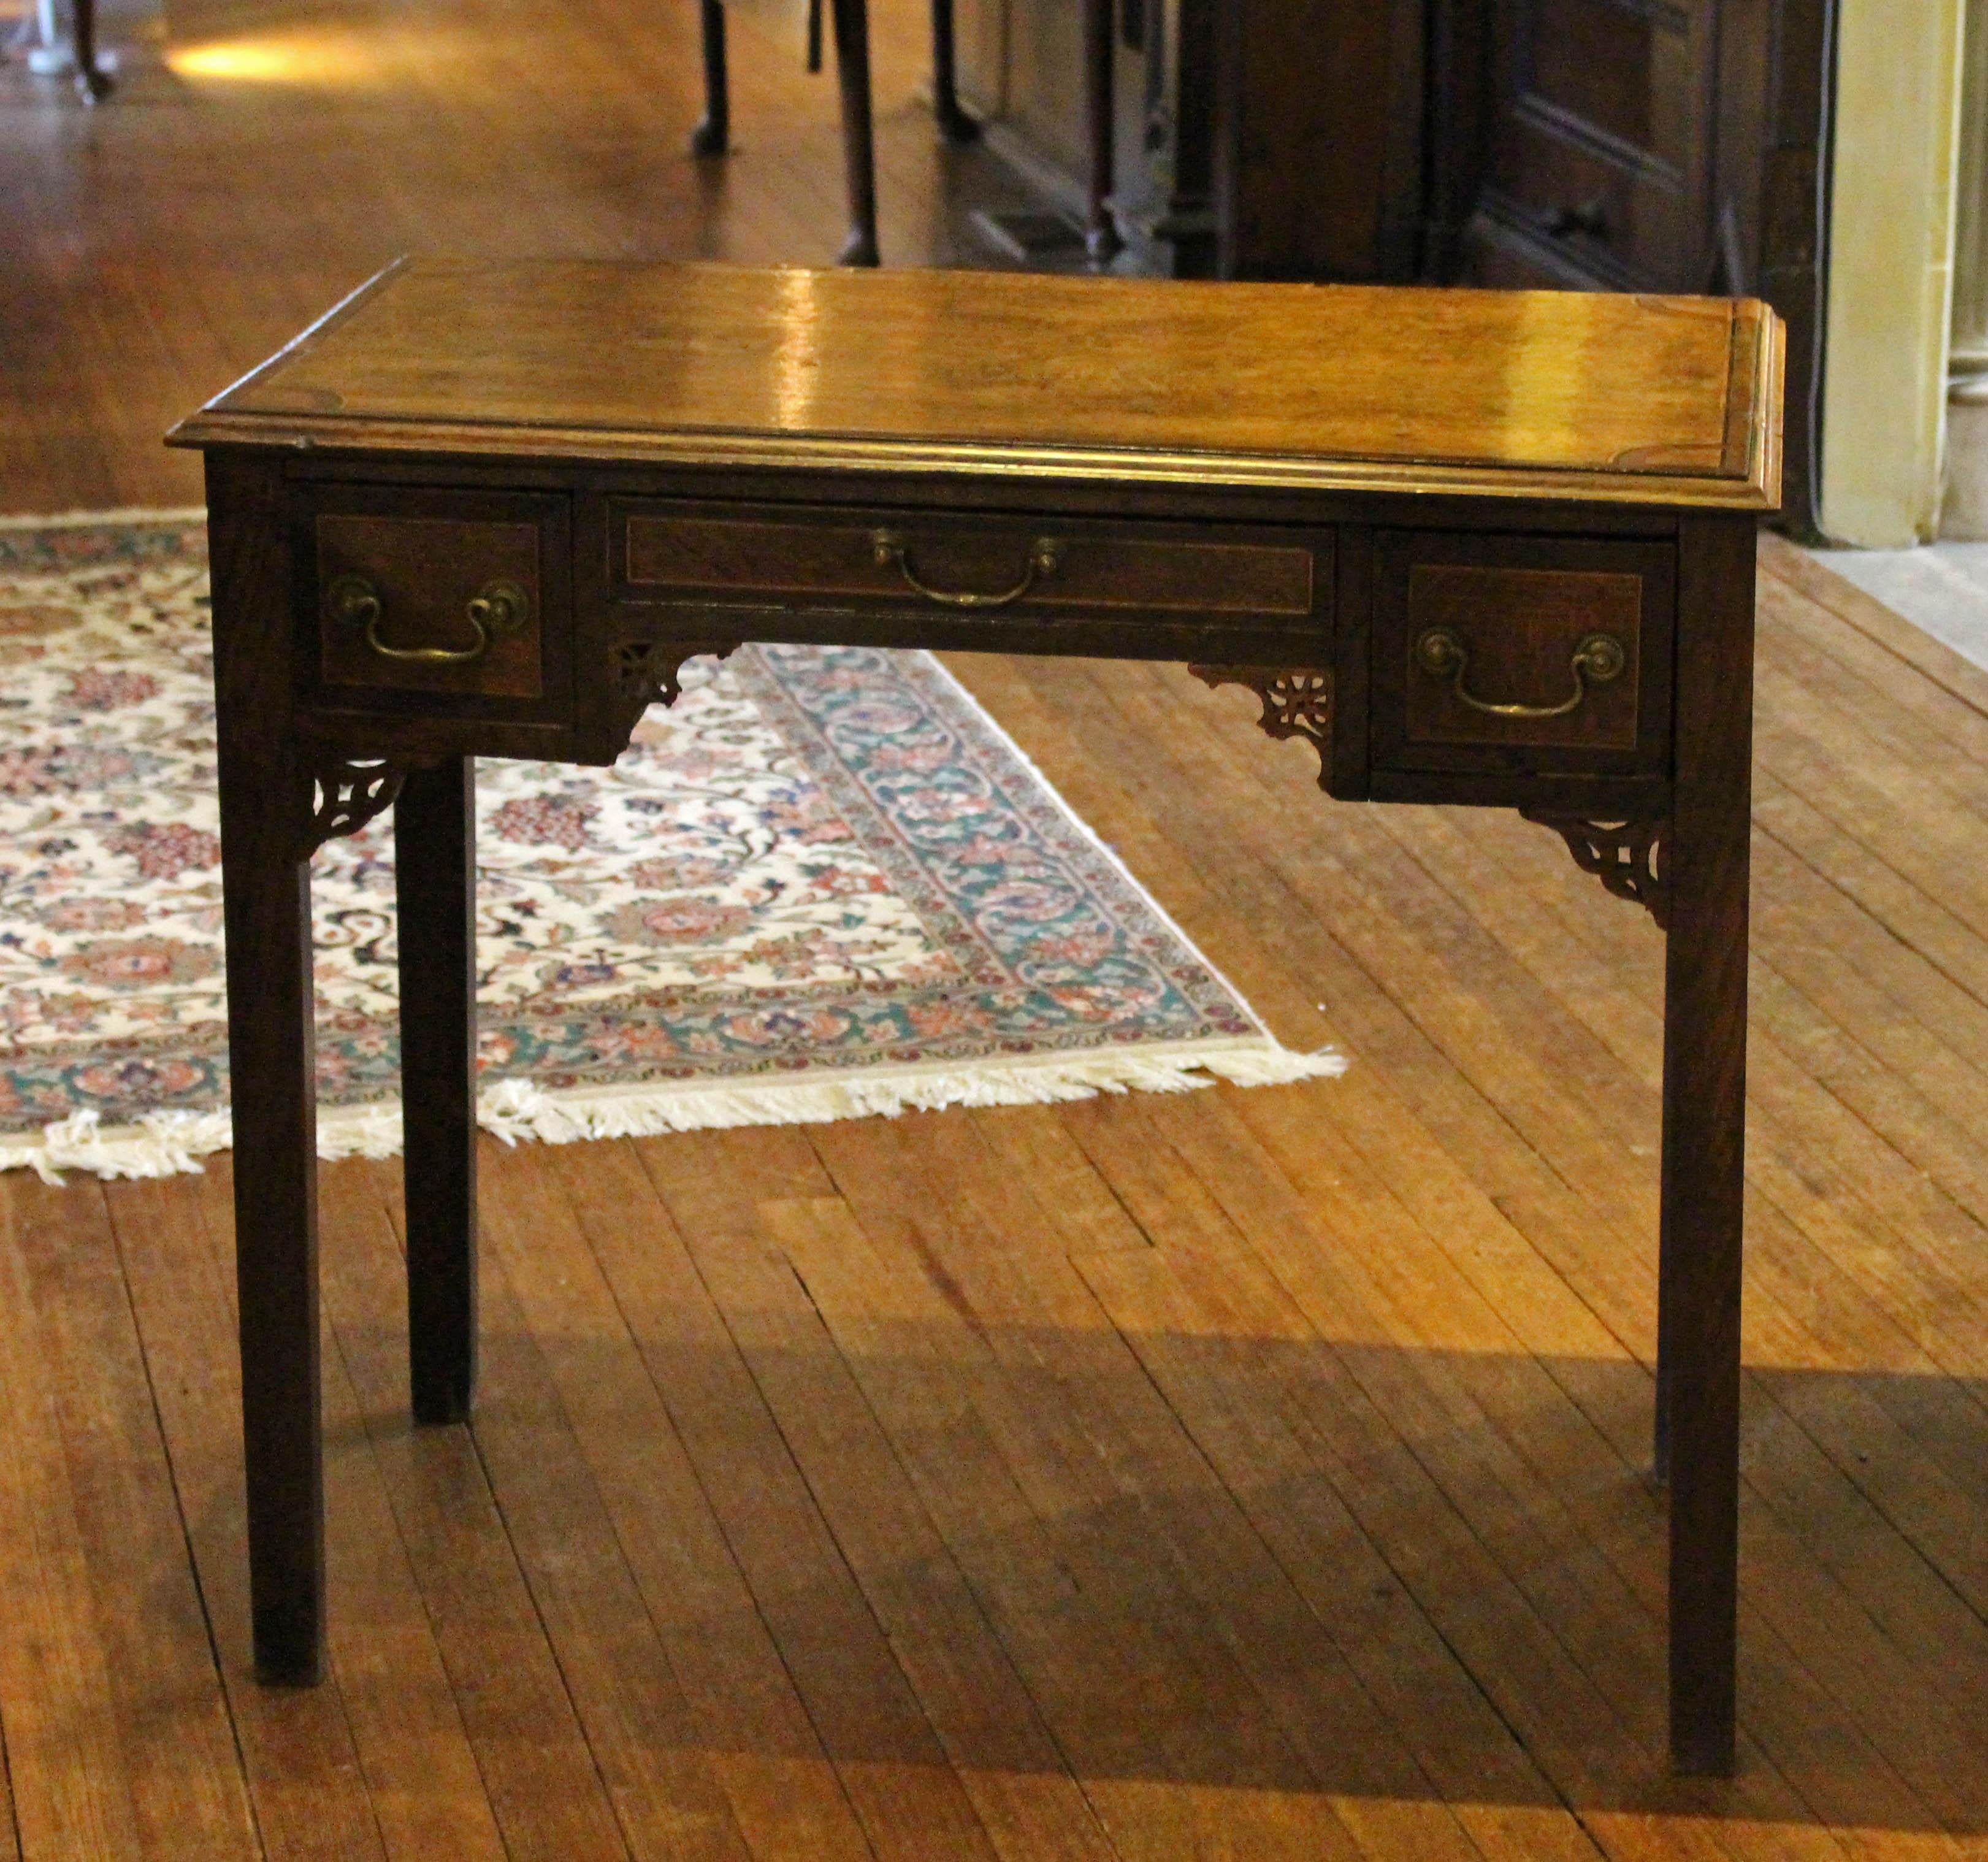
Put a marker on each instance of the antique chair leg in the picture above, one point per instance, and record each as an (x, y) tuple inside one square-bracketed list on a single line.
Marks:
[(435, 877), (713, 136), (954, 124), (265, 790), (852, 70), (1705, 1088), (1100, 232)]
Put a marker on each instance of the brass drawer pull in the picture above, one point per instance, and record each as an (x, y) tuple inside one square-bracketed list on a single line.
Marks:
[(1044, 554), (1598, 658), (498, 608)]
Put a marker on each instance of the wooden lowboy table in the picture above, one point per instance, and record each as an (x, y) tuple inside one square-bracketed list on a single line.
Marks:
[(1481, 547)]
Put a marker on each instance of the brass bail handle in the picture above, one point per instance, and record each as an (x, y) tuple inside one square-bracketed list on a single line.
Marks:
[(889, 547), (1596, 660), (498, 608)]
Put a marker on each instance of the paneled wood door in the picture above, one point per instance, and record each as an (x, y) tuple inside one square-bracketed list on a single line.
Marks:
[(1602, 146), (1657, 145)]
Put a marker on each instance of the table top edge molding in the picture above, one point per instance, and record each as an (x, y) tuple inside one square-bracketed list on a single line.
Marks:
[(325, 435)]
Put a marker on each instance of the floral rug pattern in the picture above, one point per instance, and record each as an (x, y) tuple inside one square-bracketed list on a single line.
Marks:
[(819, 862)]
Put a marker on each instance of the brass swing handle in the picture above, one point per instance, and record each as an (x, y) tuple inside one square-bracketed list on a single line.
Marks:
[(889, 547), (1598, 658), (497, 608)]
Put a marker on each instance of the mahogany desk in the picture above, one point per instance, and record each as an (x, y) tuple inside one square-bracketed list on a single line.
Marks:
[(1480, 547)]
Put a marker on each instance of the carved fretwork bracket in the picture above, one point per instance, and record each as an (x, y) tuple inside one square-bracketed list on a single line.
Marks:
[(1627, 857), (649, 672), (348, 793), (1296, 702)]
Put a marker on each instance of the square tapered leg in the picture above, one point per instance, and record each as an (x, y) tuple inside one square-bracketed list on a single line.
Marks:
[(1704, 1151), (434, 826)]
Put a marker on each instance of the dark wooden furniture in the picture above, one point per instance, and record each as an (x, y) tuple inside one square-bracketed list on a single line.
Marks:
[(851, 28), (1486, 548)]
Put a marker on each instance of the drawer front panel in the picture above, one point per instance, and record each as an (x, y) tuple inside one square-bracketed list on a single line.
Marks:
[(1519, 654), (453, 604), (941, 563), (432, 605)]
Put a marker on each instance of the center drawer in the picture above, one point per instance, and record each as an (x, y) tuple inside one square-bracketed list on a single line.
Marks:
[(796, 560)]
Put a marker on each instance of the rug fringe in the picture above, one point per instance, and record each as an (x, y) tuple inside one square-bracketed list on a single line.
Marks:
[(133, 513), (170, 1143)]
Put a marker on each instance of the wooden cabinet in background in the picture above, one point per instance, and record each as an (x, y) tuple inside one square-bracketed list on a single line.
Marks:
[(1317, 166)]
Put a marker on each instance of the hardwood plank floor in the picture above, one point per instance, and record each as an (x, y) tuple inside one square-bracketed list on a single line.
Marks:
[(1242, 1474)]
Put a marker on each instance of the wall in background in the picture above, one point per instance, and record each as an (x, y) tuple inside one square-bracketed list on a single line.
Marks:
[(1963, 514), (1891, 217)]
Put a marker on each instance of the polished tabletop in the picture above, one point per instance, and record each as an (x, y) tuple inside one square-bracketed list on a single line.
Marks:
[(1533, 394)]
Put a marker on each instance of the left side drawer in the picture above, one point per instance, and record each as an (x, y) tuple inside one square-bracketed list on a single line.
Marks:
[(438, 602)]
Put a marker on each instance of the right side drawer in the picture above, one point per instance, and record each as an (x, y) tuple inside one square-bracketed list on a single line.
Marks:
[(1522, 654)]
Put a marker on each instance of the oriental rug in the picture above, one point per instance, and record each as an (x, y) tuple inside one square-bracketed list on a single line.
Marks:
[(824, 884)]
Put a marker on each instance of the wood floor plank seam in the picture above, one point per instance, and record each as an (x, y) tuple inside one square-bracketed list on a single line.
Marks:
[(1933, 660), (826, 1504), (569, 1163), (1653, 1602), (462, 1567), (912, 1484), (189, 1798), (1296, 1575), (849, 1578), (1768, 1051), (545, 1629), (1470, 1416), (688, 1785), (1780, 813), (82, 1797), (1872, 672), (186, 1534), (1268, 830), (1039, 1415), (1200, 1451), (436, 1628), (282, 1737), (337, 1356)]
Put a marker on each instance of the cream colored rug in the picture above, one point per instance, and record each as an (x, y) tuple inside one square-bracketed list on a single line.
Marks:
[(824, 885)]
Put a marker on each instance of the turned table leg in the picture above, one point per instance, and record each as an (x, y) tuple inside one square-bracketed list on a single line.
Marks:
[(954, 124), (1705, 1090), (434, 823), (1100, 232), (852, 71), (265, 795), (713, 136)]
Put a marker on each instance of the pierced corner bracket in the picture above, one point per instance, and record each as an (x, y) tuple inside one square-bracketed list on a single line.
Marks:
[(651, 671), (1296, 702), (349, 792), (1627, 857)]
